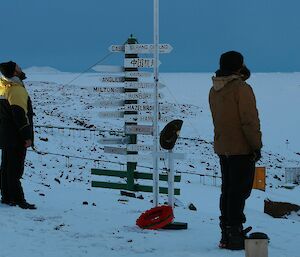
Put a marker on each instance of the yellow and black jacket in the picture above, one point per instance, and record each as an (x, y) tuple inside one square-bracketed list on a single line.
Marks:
[(16, 114)]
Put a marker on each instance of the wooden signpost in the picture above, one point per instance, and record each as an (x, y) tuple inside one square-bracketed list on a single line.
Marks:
[(131, 92)]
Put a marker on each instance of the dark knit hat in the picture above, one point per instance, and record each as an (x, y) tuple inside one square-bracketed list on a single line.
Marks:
[(8, 68), (231, 61)]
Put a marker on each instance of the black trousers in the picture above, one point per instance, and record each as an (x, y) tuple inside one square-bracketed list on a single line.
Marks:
[(237, 181), (12, 169)]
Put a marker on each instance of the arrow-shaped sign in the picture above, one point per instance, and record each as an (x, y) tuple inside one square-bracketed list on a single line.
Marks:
[(109, 89), (111, 114), (147, 48), (137, 158), (115, 150), (139, 62), (137, 118), (164, 155), (136, 96), (146, 85), (139, 129), (116, 48), (137, 74), (145, 107), (108, 68), (137, 148), (113, 79), (110, 103), (114, 141)]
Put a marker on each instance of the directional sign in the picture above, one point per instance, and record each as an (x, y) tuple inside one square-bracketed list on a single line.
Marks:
[(136, 118), (147, 48), (110, 103), (139, 62), (139, 129), (113, 79), (109, 89), (137, 158), (145, 85), (164, 155), (114, 141), (135, 96), (136, 148), (139, 107), (145, 107), (137, 74), (111, 114), (116, 48), (126, 85), (115, 150), (108, 68)]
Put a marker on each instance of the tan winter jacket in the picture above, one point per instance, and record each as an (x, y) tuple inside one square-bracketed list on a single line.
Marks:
[(235, 117)]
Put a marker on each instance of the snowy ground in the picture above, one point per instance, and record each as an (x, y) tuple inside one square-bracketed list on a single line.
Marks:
[(74, 219)]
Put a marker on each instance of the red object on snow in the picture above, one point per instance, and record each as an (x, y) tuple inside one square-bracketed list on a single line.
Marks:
[(156, 218)]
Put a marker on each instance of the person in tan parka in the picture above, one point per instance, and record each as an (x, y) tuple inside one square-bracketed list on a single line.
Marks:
[(237, 141)]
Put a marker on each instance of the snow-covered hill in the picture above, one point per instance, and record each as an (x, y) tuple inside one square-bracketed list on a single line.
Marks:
[(74, 219)]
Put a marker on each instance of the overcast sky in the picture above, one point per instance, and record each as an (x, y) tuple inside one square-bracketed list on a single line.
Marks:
[(71, 35)]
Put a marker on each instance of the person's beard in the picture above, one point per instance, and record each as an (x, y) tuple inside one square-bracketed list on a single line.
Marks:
[(22, 76)]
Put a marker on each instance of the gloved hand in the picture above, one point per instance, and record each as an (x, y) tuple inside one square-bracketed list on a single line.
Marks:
[(257, 155)]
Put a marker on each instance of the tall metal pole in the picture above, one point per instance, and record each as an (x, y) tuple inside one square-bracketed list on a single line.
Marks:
[(155, 121), (171, 179)]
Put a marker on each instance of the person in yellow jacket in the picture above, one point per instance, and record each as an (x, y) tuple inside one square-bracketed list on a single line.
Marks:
[(237, 141), (16, 133)]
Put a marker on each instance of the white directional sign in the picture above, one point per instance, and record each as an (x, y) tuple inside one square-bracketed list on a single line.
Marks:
[(136, 148), (137, 158), (113, 79), (109, 89), (145, 107), (116, 48), (108, 68), (112, 114), (147, 48), (139, 107), (137, 74), (135, 96), (114, 141), (164, 155), (110, 103), (139, 62), (115, 150), (136, 118), (145, 85), (139, 129)]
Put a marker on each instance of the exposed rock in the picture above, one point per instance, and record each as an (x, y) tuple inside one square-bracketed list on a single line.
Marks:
[(279, 209)]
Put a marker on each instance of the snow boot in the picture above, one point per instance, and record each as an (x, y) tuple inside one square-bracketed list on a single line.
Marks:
[(10, 203), (25, 205), (235, 238), (223, 241)]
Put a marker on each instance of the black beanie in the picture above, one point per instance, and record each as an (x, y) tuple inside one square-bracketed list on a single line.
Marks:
[(8, 69), (231, 61)]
